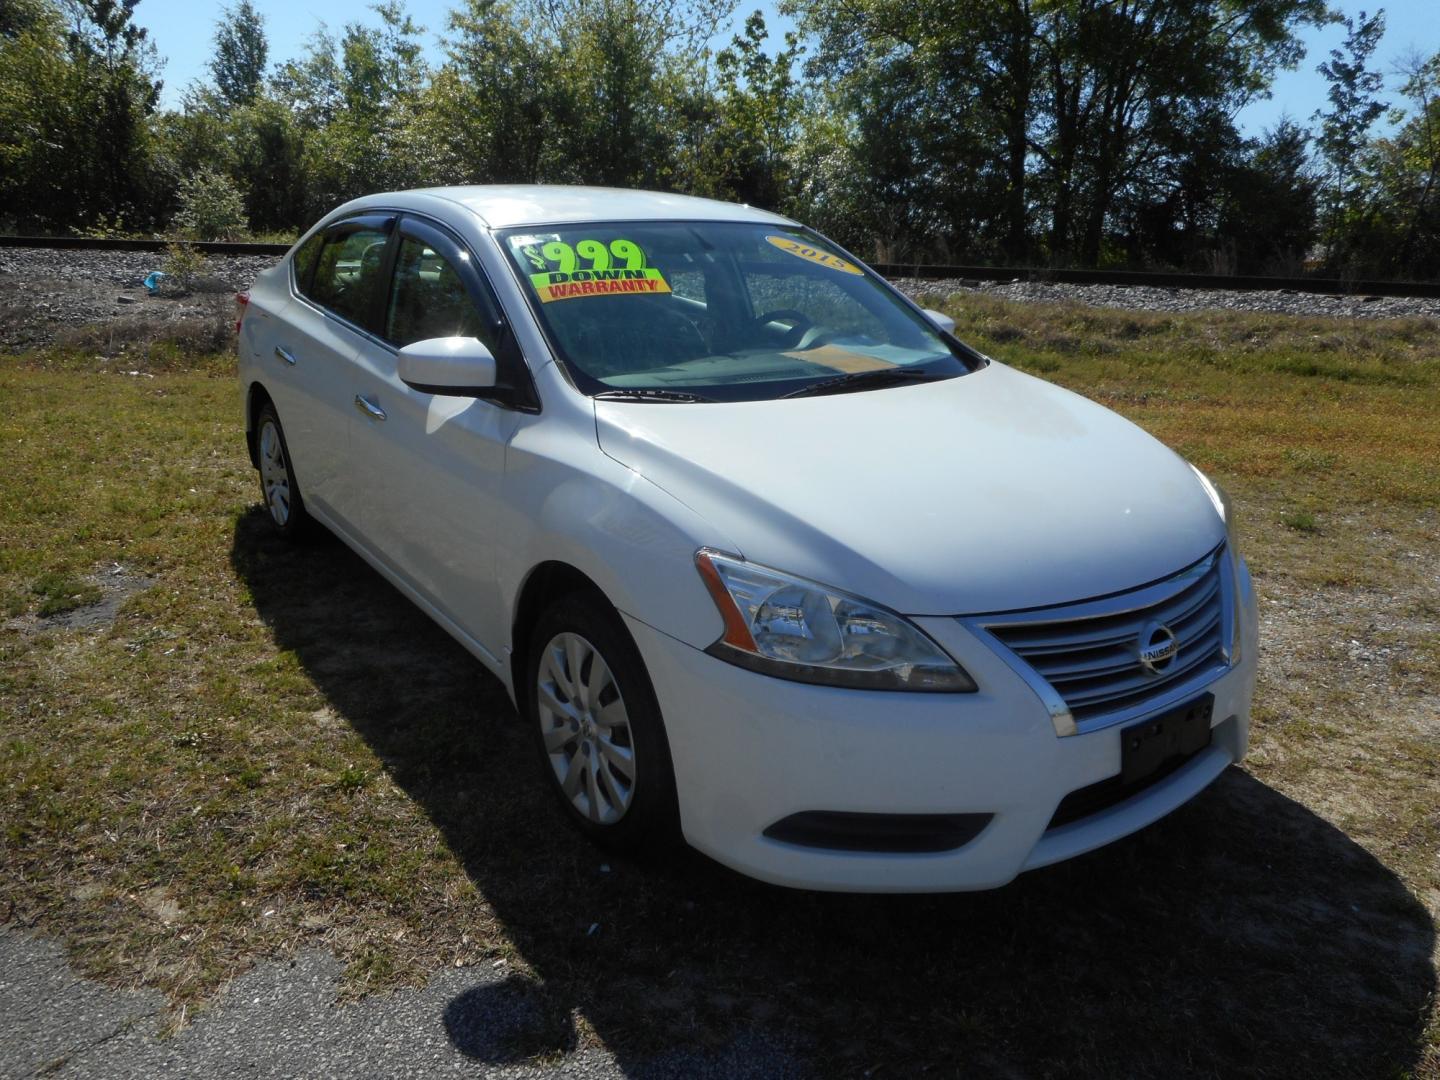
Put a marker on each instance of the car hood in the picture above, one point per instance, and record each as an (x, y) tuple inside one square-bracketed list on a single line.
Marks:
[(988, 492)]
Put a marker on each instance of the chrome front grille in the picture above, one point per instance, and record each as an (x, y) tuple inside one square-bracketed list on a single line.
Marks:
[(1089, 655)]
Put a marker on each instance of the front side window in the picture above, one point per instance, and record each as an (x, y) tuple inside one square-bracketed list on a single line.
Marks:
[(428, 299), (348, 270), (723, 311)]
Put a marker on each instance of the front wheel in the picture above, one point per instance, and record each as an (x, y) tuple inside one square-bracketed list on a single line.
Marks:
[(598, 727)]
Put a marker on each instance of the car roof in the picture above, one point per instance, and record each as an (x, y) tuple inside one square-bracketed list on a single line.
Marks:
[(502, 206)]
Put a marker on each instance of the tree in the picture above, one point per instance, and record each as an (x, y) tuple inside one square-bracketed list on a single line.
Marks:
[(611, 109), (37, 83), (211, 206), (268, 148), (1345, 129), (80, 88), (238, 65), (121, 88), (1170, 212), (1413, 181), (958, 79), (756, 119), (19, 16), (486, 114), (1117, 74), (1270, 209), (354, 101), (1068, 103)]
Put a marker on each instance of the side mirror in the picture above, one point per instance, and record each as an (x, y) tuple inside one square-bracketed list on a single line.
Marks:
[(941, 321), (453, 366)]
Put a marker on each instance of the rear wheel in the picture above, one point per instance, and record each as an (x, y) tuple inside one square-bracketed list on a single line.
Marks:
[(598, 728), (277, 480)]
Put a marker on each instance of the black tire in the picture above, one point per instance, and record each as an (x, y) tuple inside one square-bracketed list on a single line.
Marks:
[(285, 509), (650, 822)]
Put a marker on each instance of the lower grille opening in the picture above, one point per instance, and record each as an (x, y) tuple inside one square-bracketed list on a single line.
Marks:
[(837, 830), (1085, 801)]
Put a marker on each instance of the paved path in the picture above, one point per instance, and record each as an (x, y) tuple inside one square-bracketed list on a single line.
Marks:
[(282, 1020)]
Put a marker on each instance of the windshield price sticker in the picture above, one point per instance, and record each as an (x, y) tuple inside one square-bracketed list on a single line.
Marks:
[(815, 255), (615, 269)]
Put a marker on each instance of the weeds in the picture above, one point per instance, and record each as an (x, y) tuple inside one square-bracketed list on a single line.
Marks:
[(59, 592), (1300, 521), (183, 267), (147, 345)]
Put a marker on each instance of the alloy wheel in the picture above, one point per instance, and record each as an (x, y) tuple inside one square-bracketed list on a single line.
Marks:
[(586, 729), (274, 473)]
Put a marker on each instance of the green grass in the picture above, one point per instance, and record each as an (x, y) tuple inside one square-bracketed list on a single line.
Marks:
[(1300, 521), (58, 593), (268, 749)]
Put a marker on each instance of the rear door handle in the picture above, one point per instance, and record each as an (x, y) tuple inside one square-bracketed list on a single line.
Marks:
[(369, 408), (285, 354)]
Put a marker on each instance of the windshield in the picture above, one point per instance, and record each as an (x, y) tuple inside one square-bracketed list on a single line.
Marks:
[(684, 311)]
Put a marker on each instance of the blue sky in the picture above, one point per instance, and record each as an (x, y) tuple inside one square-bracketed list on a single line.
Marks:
[(182, 31)]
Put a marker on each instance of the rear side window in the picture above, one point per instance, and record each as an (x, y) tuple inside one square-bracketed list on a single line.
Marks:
[(428, 299), (348, 271)]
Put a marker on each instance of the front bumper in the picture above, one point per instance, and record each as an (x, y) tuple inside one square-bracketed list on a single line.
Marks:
[(750, 750)]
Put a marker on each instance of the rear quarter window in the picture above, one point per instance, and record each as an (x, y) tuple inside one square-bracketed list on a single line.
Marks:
[(303, 264)]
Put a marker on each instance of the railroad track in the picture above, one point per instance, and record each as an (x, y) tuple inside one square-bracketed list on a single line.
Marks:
[(1136, 278), (913, 271)]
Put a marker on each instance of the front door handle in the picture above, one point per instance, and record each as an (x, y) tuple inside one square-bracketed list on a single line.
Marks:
[(285, 354), (369, 408)]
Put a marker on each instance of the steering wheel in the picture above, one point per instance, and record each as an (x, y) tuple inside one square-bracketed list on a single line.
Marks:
[(676, 330), (801, 321)]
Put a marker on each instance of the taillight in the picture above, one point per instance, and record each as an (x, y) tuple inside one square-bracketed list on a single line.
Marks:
[(242, 303)]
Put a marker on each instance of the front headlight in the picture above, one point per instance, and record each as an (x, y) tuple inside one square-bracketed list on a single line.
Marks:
[(796, 629)]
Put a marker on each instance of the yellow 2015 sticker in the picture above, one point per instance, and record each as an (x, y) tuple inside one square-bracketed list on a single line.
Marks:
[(815, 255), (559, 275)]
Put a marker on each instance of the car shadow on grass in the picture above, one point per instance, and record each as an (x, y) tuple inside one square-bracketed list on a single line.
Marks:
[(1241, 934)]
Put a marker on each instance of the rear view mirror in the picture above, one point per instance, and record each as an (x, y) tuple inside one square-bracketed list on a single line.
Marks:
[(940, 320), (453, 366)]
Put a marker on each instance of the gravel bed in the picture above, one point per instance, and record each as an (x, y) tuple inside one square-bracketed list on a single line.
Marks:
[(124, 269), (1150, 298), (48, 294)]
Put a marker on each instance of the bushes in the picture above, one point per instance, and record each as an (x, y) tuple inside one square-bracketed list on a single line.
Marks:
[(212, 207)]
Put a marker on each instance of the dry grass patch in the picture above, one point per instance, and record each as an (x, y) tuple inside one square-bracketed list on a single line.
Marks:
[(265, 749), (145, 344)]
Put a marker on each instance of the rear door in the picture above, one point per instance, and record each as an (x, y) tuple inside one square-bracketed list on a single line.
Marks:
[(433, 465), (338, 286)]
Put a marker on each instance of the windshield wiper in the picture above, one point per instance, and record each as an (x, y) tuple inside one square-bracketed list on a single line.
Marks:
[(662, 396), (863, 380)]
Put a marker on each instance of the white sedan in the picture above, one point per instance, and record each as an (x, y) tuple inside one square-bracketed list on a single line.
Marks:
[(767, 559)]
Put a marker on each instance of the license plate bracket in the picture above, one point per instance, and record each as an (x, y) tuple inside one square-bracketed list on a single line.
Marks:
[(1149, 746)]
